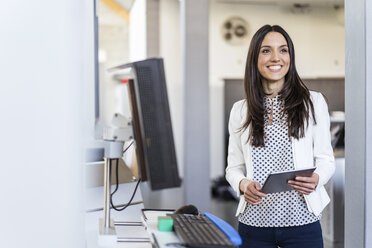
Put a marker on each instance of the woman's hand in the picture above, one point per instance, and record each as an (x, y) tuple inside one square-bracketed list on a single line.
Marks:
[(305, 185), (251, 190)]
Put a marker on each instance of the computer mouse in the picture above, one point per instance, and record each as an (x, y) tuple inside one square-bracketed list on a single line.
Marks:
[(187, 209)]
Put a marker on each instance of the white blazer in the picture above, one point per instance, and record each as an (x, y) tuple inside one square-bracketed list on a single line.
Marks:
[(314, 149)]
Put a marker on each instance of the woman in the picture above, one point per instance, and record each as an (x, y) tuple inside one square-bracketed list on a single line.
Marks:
[(281, 125)]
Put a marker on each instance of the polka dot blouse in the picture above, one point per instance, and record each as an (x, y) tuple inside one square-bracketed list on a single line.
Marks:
[(283, 208)]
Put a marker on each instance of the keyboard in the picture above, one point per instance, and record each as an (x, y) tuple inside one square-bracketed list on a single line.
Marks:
[(205, 231)]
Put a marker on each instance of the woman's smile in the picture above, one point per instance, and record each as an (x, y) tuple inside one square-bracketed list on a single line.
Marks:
[(275, 68)]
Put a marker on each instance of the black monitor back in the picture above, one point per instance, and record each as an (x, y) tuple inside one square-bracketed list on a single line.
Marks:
[(156, 156)]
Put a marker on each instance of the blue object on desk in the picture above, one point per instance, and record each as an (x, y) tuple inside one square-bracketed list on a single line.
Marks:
[(226, 228)]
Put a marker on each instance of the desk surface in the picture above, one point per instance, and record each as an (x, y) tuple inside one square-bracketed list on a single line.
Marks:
[(161, 238), (131, 214)]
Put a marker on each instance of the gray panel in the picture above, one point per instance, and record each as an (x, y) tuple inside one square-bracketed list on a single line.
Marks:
[(152, 28), (194, 33), (332, 88), (368, 176), (355, 108), (234, 91)]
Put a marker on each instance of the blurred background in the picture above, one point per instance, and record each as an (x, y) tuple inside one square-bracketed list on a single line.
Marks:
[(153, 28)]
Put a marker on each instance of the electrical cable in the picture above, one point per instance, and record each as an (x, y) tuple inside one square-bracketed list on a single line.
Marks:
[(130, 201), (117, 177), (117, 185), (117, 170)]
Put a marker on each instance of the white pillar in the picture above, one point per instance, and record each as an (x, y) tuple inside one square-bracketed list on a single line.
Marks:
[(194, 38), (358, 139), (42, 176)]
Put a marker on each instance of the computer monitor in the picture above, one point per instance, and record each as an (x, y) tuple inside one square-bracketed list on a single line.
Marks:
[(152, 126)]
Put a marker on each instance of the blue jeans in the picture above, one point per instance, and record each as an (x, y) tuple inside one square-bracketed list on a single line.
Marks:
[(306, 236)]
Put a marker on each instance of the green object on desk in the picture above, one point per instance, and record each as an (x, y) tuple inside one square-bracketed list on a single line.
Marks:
[(165, 223)]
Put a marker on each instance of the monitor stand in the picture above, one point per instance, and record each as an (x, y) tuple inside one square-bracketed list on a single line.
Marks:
[(107, 234)]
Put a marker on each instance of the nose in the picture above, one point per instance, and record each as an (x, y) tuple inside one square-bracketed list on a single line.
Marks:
[(275, 56)]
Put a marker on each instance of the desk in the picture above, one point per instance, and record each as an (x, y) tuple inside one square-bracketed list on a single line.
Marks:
[(94, 203), (132, 213)]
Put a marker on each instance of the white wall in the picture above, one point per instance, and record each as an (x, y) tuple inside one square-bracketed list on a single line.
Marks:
[(42, 47), (137, 31), (318, 37), (113, 36)]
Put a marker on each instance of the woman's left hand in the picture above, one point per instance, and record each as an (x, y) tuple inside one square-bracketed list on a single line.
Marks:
[(305, 185)]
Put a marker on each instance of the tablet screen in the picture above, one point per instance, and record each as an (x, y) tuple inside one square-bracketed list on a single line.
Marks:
[(277, 181)]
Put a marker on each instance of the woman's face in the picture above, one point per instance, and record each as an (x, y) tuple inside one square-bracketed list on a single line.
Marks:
[(273, 59)]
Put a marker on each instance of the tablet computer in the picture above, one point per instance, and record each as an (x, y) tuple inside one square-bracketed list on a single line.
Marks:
[(277, 181)]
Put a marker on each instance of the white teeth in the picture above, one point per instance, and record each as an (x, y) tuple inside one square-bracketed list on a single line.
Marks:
[(274, 67)]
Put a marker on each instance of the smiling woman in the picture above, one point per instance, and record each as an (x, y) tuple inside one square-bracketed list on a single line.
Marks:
[(280, 126)]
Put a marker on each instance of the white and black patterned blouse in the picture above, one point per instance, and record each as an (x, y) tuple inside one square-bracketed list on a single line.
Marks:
[(283, 208)]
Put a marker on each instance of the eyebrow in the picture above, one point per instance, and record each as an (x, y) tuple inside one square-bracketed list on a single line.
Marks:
[(270, 46)]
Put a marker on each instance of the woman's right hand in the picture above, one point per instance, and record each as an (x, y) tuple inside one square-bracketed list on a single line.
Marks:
[(251, 190)]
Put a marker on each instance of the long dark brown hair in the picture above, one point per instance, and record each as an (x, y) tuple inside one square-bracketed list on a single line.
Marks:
[(296, 96)]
